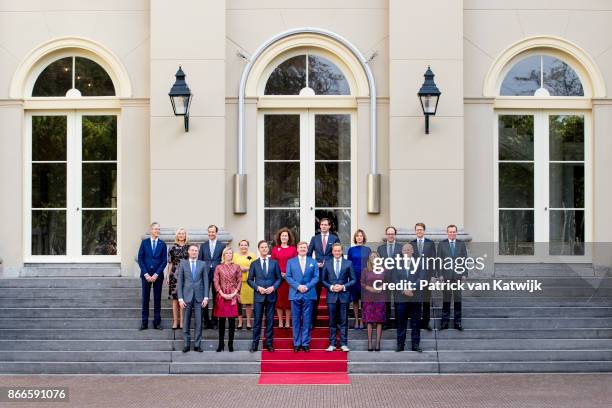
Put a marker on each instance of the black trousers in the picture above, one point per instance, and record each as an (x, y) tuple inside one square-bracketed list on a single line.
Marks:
[(426, 314), (206, 315), (232, 330), (146, 298), (405, 311), (447, 296), (260, 308), (338, 320)]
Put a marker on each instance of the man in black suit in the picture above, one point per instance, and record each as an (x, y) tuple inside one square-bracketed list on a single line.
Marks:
[(152, 260), (408, 302), (425, 249), (453, 249), (321, 246), (265, 278), (338, 277), (390, 250), (210, 252)]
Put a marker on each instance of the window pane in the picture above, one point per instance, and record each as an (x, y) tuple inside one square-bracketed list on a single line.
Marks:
[(282, 137), (516, 232), (566, 137), (99, 138), (99, 232), (566, 232), (277, 219), (325, 78), (288, 78), (340, 223), (516, 137), (55, 80), (91, 79), (99, 185), (282, 184), (48, 232), (560, 79), (48, 185), (332, 137), (516, 185), (566, 185), (523, 79), (333, 184), (49, 138)]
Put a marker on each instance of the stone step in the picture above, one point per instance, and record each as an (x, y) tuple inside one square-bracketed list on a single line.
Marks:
[(57, 270), (413, 367), (532, 270), (87, 345), (535, 323), (577, 366), (75, 282), (86, 356), (524, 355), (84, 368), (524, 344)]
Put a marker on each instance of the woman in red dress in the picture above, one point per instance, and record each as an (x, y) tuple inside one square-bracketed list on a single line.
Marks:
[(282, 252), (227, 281)]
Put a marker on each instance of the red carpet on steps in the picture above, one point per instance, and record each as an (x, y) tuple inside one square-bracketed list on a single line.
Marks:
[(284, 367)]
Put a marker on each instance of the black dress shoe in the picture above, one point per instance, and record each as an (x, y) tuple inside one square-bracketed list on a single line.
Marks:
[(296, 349), (230, 347), (426, 327), (270, 349), (185, 349), (444, 326), (198, 349), (157, 327), (458, 326), (220, 348), (143, 327), (417, 348), (399, 348), (306, 349), (252, 349)]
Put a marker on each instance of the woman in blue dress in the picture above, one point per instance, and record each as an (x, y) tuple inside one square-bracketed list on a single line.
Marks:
[(358, 255)]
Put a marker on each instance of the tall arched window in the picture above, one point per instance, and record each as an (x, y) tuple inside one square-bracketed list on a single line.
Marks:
[(72, 161), (542, 164)]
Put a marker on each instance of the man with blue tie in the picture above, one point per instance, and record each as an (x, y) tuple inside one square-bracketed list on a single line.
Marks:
[(408, 302), (321, 246), (192, 292), (210, 252), (425, 249), (265, 278), (338, 276), (451, 249), (302, 276), (152, 259), (390, 249)]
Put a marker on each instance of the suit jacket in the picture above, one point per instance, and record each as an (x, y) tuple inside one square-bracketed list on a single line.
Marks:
[(295, 278), (316, 246), (429, 251), (397, 250), (444, 252), (409, 275), (188, 289), (346, 277), (215, 260), (257, 277), (152, 263)]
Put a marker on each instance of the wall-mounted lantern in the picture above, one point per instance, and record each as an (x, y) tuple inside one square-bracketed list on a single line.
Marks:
[(429, 95), (180, 96)]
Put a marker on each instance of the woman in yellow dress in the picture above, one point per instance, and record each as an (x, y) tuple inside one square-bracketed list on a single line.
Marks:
[(243, 258)]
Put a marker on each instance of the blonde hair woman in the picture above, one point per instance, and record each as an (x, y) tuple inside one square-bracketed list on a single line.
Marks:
[(178, 252), (243, 258), (373, 301), (227, 281)]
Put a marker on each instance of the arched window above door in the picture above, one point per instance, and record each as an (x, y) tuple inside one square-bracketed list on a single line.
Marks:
[(307, 74), (541, 75), (73, 76)]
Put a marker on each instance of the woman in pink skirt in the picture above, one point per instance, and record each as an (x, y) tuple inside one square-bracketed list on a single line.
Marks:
[(227, 281), (373, 301)]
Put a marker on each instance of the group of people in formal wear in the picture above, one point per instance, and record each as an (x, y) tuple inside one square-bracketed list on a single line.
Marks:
[(288, 278)]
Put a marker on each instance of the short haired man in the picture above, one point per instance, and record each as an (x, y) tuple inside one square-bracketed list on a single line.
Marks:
[(210, 252), (425, 249), (390, 249), (152, 260), (453, 249)]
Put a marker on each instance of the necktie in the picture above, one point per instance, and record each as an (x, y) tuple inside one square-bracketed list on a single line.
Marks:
[(302, 264), (154, 245), (390, 250), (265, 267), (193, 271), (324, 242), (452, 248), (212, 249), (420, 246), (337, 269)]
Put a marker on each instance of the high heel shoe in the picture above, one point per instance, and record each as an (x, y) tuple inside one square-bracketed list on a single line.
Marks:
[(221, 348), (230, 347)]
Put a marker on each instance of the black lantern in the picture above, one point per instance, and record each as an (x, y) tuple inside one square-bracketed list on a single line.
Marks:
[(180, 96), (429, 94)]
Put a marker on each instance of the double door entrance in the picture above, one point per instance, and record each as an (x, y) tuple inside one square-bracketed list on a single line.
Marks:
[(543, 185), (306, 172), (71, 196)]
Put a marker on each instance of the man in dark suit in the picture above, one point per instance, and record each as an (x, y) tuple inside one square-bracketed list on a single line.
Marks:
[(152, 259), (321, 245), (425, 249), (210, 252), (265, 278), (192, 292), (390, 250), (338, 276), (453, 249), (408, 303)]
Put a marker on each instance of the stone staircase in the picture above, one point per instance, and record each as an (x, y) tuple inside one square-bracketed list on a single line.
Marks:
[(90, 325)]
